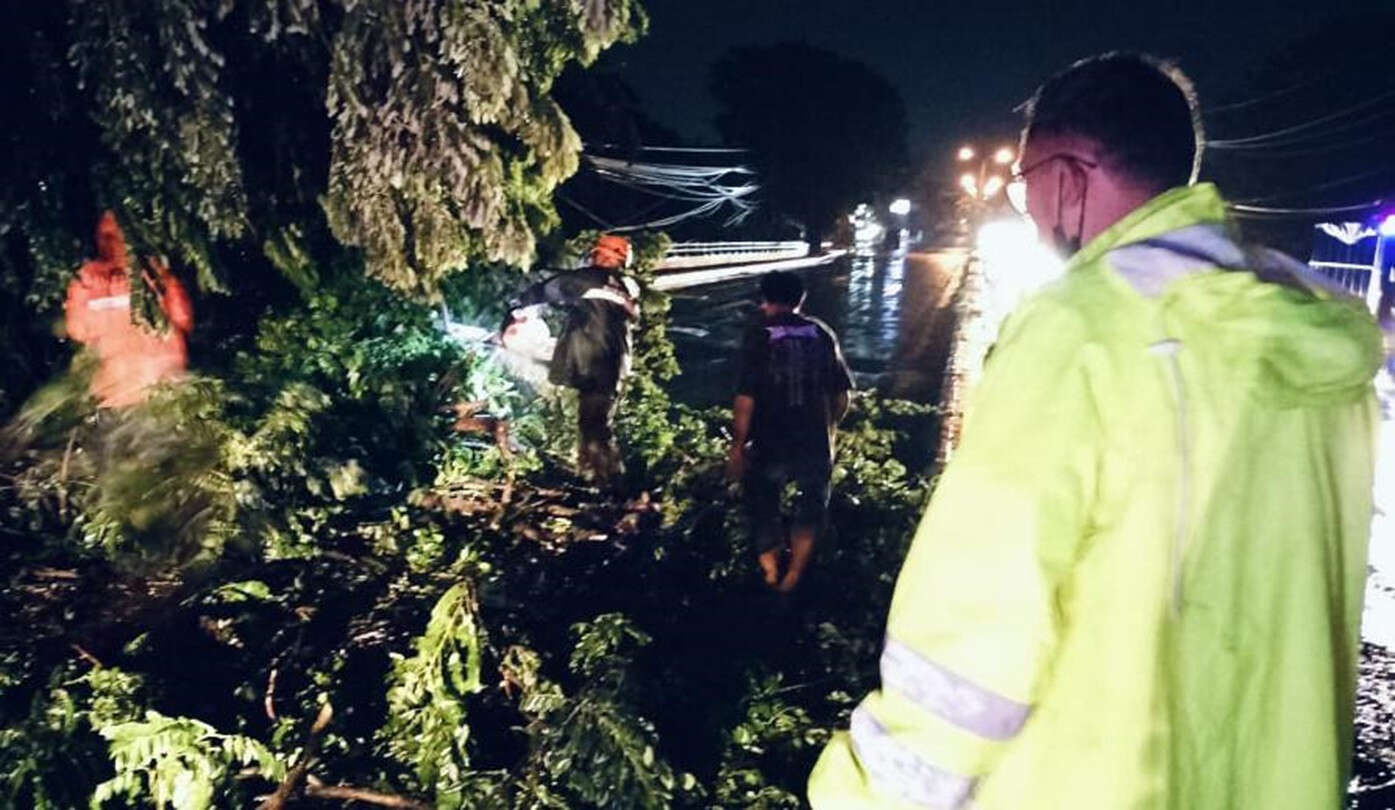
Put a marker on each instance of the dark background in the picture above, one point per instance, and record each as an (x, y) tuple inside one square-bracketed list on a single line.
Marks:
[(961, 67)]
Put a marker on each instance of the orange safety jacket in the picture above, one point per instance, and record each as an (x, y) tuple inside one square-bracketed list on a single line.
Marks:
[(132, 358)]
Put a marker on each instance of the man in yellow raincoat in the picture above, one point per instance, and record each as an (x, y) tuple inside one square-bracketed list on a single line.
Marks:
[(1138, 584)]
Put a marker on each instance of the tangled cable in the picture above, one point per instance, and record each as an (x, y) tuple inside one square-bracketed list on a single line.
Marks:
[(703, 189)]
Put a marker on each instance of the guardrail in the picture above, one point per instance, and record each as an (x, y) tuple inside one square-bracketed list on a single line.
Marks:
[(708, 254), (1354, 278)]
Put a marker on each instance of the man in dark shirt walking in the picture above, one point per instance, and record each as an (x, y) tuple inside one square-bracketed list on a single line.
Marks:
[(792, 391)]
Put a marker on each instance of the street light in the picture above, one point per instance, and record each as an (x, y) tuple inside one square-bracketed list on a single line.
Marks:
[(984, 184), (900, 207), (984, 176)]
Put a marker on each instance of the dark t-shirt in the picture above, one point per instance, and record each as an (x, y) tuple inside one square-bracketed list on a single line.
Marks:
[(792, 367)]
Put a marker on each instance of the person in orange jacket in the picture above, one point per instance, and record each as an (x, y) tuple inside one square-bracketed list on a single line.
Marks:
[(97, 314), (593, 352)]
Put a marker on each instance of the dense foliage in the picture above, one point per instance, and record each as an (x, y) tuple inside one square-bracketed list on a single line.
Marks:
[(269, 146), (302, 575), (484, 631)]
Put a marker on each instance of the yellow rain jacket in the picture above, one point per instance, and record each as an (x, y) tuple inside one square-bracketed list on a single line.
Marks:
[(1138, 584)]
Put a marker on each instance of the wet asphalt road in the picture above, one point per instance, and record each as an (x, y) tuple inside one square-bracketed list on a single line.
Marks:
[(891, 313)]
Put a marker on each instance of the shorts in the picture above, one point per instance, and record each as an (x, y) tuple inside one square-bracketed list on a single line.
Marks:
[(764, 487)]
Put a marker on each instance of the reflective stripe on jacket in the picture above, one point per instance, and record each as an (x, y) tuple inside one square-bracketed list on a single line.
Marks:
[(98, 313), (1139, 581)]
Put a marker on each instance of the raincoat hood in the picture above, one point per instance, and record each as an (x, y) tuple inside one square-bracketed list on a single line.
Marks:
[(1283, 331), (1296, 348)]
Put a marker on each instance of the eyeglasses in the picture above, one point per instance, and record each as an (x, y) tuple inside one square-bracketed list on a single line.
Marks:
[(1017, 186)]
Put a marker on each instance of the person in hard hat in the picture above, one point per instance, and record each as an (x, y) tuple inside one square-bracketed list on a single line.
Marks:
[(792, 391), (593, 351), (1139, 581), (97, 313)]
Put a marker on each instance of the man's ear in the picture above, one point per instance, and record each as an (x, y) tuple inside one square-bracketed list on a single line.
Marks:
[(1073, 183)]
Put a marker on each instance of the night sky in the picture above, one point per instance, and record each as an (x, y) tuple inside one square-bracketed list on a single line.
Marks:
[(960, 66)]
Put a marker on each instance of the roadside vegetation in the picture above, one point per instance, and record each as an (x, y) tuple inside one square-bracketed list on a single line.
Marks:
[(308, 573)]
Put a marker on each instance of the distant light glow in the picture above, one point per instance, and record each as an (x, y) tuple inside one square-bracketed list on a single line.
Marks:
[(966, 153), (868, 233), (1011, 263), (969, 183), (1348, 233), (1387, 226), (900, 207), (992, 186), (1003, 156), (866, 229), (1014, 262), (1005, 239)]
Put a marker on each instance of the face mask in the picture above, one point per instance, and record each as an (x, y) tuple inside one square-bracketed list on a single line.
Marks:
[(1068, 246)]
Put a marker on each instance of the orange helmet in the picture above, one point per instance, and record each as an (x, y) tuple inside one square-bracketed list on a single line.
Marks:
[(611, 252)]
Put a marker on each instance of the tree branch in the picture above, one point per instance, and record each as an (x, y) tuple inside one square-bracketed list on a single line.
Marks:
[(63, 475), (297, 774), (87, 656), (348, 793), (269, 702)]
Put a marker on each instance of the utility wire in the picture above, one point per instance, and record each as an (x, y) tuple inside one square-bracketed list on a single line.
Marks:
[(1300, 138), (1259, 211), (733, 195), (1240, 105), (1280, 151), (1282, 134), (1323, 186), (714, 150), (701, 210), (693, 180), (701, 186), (665, 170), (583, 209), (697, 150)]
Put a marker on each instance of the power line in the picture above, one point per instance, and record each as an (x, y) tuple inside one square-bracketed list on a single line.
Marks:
[(701, 210), (733, 194), (697, 150), (691, 183), (583, 209), (700, 186), (1259, 211), (1281, 134), (1298, 139), (1274, 153), (1240, 105), (665, 171), (1323, 186)]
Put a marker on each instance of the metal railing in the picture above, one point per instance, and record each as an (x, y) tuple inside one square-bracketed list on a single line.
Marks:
[(1354, 278), (708, 254)]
